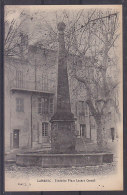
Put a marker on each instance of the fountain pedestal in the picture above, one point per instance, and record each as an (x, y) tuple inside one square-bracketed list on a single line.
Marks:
[(63, 136)]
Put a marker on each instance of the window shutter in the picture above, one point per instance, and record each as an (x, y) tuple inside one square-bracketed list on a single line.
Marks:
[(40, 133), (51, 106), (19, 105)]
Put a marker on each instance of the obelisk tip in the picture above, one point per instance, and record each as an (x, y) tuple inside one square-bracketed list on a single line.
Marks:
[(61, 26)]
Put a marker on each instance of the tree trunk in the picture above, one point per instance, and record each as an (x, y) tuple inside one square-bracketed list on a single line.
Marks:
[(99, 133), (99, 123), (100, 137)]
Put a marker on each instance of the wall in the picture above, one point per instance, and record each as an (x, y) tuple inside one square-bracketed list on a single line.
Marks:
[(21, 120), (37, 120), (10, 67)]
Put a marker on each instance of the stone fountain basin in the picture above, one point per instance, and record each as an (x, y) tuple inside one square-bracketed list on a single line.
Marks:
[(63, 160)]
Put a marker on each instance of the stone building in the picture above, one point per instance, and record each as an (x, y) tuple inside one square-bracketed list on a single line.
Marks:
[(30, 100), (29, 105)]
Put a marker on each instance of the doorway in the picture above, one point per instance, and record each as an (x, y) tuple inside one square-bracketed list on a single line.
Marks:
[(45, 137), (112, 134), (16, 138), (83, 130)]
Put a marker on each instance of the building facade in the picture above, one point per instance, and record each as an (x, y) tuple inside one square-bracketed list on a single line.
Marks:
[(30, 101), (29, 105)]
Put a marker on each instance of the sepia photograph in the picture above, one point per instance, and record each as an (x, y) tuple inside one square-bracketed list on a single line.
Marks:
[(63, 98)]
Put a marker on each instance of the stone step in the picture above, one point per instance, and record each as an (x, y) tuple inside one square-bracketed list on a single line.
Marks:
[(46, 145)]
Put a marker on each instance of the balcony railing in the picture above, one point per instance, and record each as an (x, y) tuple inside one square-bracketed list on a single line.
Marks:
[(32, 85)]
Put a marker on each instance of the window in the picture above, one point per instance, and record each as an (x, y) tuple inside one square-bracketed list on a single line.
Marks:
[(40, 105), (109, 116), (45, 105), (19, 105), (82, 130), (44, 129), (112, 134), (83, 108), (19, 79), (51, 105), (86, 109), (44, 82)]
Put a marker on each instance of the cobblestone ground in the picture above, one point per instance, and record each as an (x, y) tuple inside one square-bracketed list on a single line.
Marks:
[(12, 170)]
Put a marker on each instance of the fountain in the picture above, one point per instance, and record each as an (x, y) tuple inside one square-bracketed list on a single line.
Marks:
[(63, 135)]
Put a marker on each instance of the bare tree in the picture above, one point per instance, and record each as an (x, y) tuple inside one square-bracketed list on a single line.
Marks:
[(92, 37), (99, 72), (13, 34)]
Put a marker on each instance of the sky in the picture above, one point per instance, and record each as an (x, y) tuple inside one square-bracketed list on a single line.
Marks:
[(39, 19), (37, 16)]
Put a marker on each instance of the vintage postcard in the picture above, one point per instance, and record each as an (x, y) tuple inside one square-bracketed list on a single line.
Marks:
[(63, 94)]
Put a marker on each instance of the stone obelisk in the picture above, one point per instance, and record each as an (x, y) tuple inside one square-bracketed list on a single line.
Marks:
[(62, 123)]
